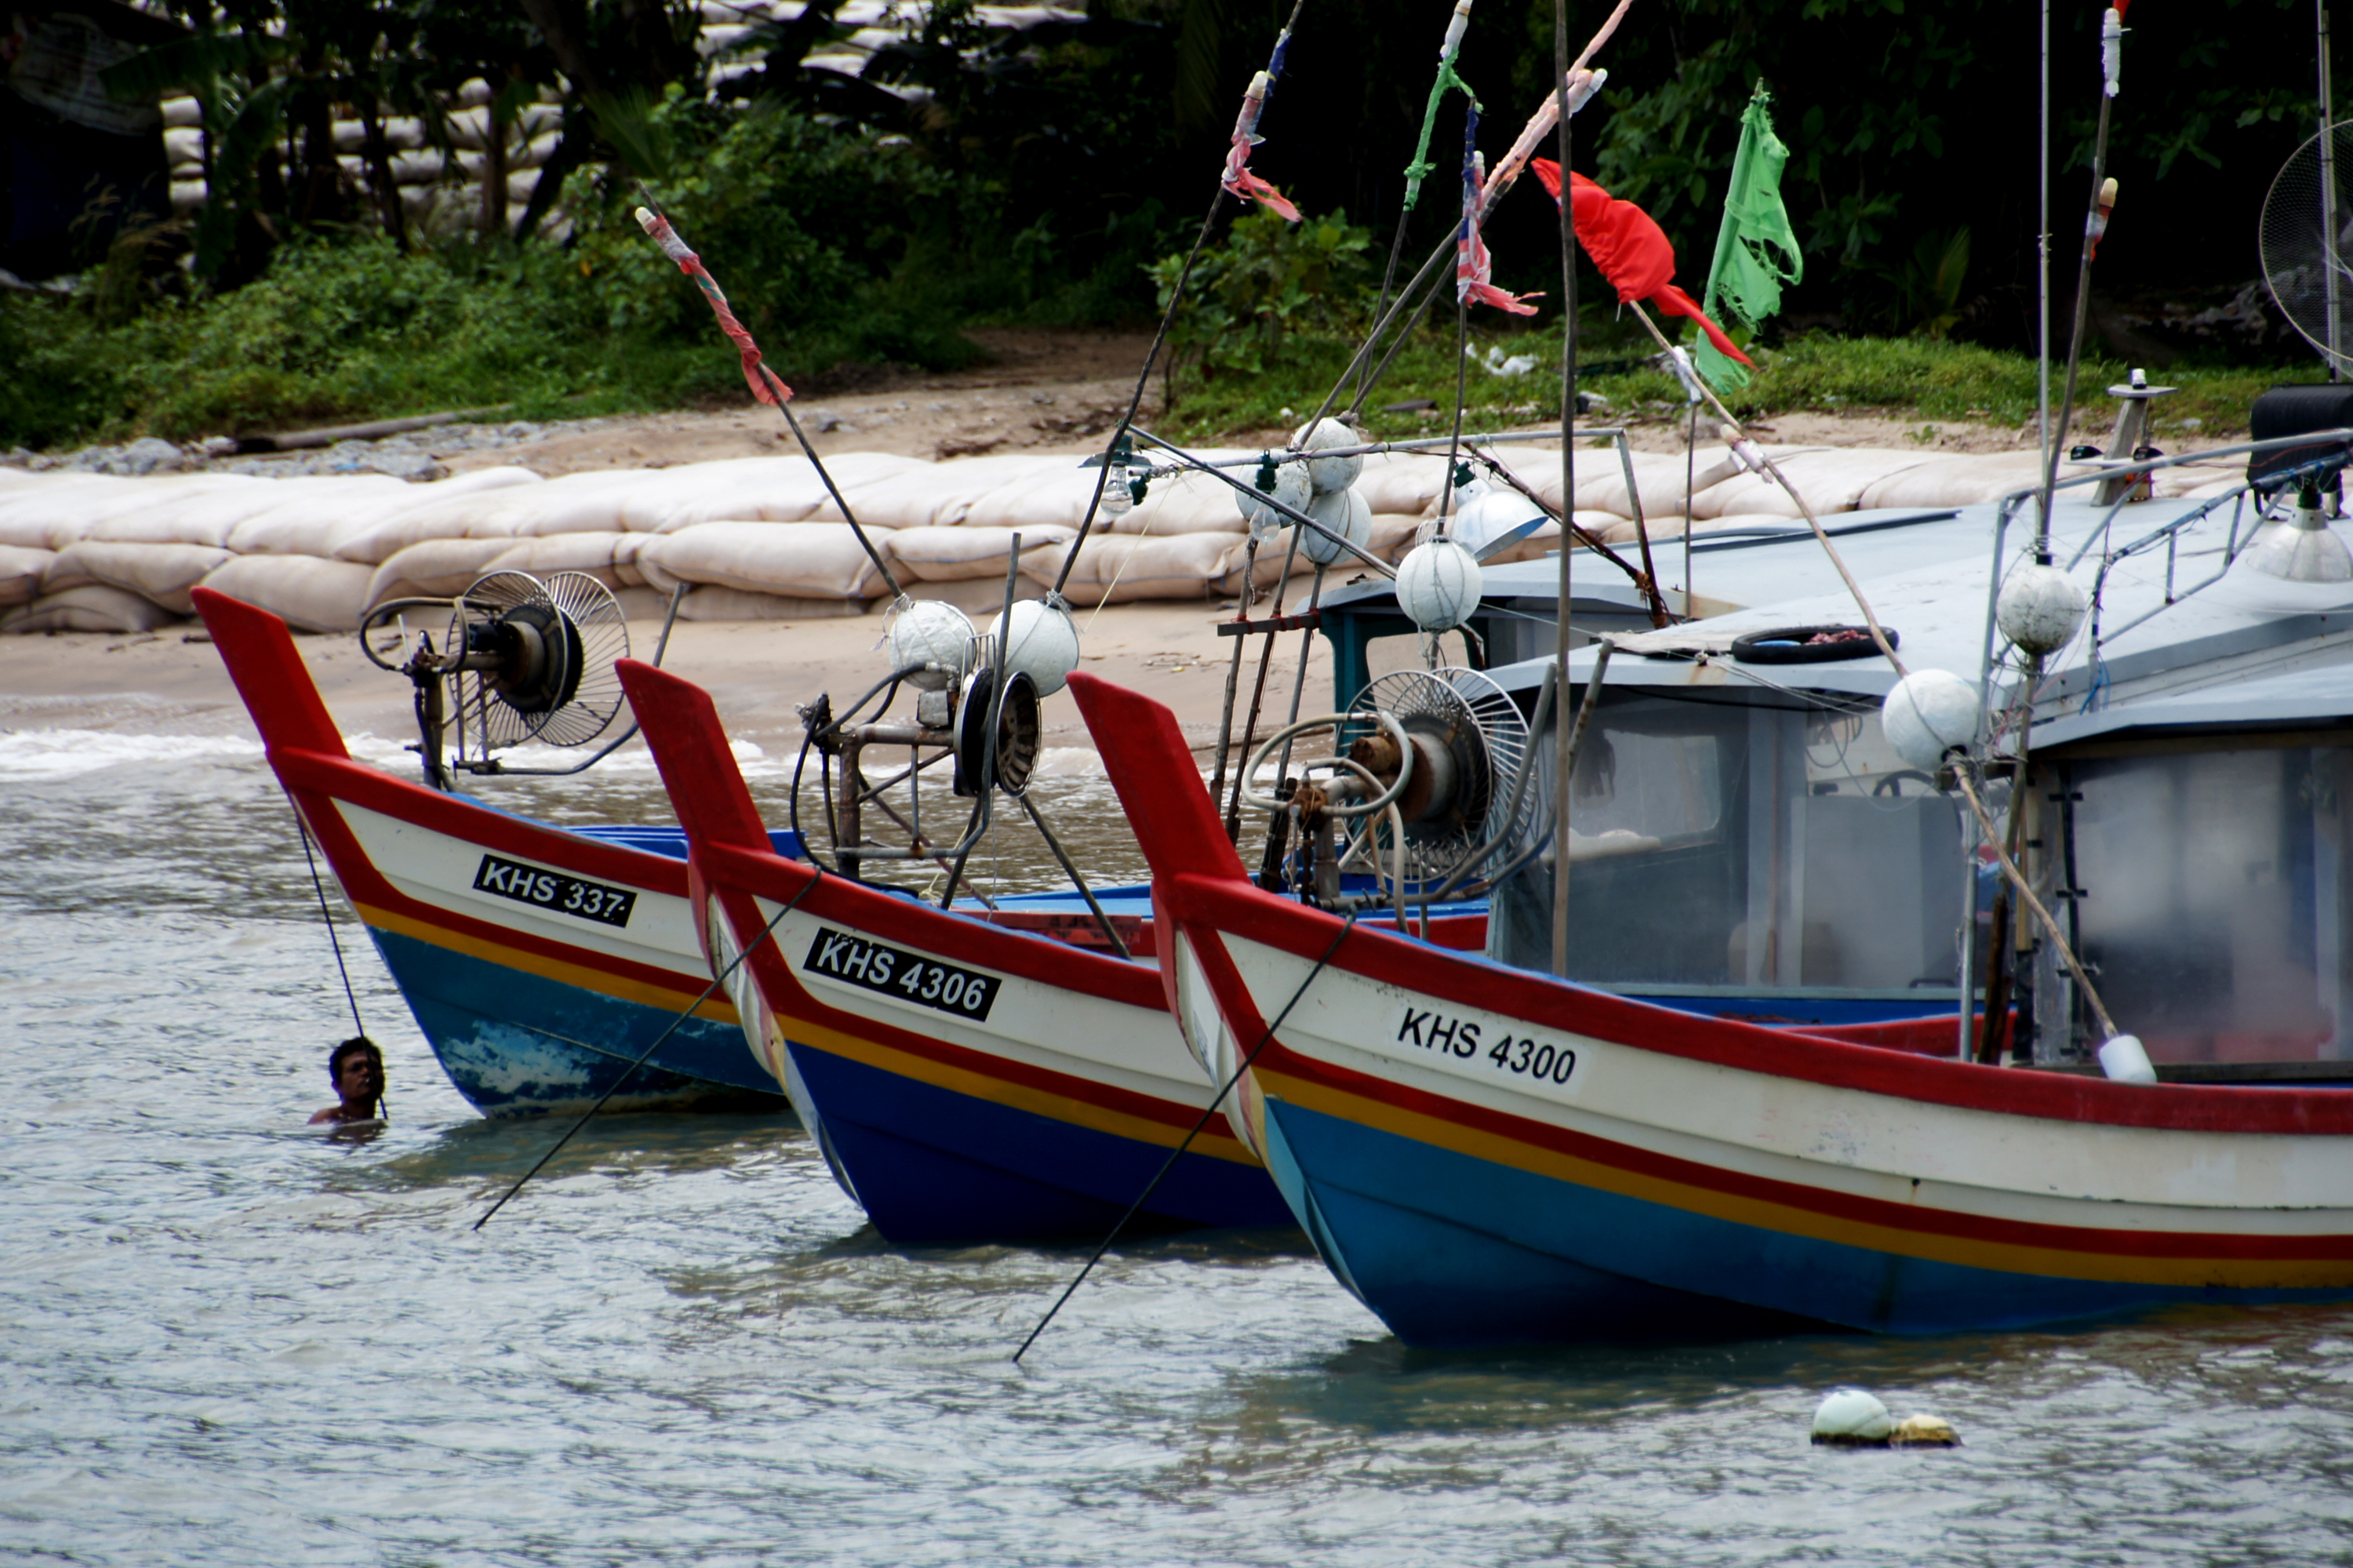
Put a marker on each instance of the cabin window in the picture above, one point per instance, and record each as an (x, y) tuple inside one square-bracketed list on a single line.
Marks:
[(1738, 849), (2214, 910)]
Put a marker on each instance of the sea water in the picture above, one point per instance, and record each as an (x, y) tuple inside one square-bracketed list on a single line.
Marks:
[(227, 1337)]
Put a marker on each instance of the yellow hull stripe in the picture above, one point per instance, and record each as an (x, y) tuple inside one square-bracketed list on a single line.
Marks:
[(1786, 1219), (716, 1008), (1016, 1096)]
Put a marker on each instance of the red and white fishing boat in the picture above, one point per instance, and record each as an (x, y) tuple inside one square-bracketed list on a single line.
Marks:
[(1484, 1154)]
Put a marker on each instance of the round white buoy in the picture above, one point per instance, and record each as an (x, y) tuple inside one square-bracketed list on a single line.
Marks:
[(1849, 1415), (2040, 608), (1043, 644), (925, 630), (1345, 512), (1929, 713), (1439, 584), (2125, 1059), (1329, 474), (1290, 488)]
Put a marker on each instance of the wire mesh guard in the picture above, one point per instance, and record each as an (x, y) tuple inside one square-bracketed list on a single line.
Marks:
[(554, 680), (2298, 258), (1479, 739)]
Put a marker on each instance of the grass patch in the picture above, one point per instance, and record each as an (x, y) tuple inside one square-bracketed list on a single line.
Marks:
[(1909, 379)]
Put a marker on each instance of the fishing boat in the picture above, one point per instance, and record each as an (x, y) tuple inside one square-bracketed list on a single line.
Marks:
[(967, 1081), (1695, 1133), (541, 963)]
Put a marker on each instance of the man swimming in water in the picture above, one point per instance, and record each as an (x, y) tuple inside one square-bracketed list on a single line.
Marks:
[(356, 1069)]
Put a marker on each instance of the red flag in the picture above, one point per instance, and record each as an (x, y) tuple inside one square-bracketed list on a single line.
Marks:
[(1631, 249)]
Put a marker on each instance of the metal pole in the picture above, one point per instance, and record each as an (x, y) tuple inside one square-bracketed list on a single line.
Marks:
[(1565, 751), (2329, 196), (2043, 262)]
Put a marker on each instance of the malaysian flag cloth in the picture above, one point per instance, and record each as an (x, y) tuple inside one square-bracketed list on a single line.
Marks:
[(1631, 249), (1473, 268), (764, 384), (1238, 178)]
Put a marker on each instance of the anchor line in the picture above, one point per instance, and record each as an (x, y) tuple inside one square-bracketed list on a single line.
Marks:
[(327, 918), (1187, 1141), (716, 981)]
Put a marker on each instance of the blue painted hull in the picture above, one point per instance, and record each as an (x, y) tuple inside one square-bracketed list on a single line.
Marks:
[(1453, 1251), (519, 1043), (937, 1166)]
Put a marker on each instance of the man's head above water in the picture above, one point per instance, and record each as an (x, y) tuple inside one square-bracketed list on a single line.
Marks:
[(355, 1067)]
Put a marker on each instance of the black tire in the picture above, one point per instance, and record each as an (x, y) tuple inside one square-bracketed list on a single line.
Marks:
[(1789, 645)]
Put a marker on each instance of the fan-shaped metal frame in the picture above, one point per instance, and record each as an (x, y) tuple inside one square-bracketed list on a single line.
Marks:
[(1486, 734), (2291, 239), (581, 631)]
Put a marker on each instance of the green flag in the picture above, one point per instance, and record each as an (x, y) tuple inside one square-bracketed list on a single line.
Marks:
[(1746, 278)]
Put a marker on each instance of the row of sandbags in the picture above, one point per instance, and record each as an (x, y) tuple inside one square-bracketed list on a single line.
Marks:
[(762, 537)]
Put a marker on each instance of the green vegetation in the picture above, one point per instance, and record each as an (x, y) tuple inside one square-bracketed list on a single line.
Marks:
[(1920, 381)]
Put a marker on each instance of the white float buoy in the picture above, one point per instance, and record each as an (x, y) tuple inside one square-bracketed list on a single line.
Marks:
[(1438, 584), (2040, 608), (1927, 713), (1345, 512), (1851, 1415), (925, 630), (2125, 1060), (1290, 488), (1327, 475), (1043, 643)]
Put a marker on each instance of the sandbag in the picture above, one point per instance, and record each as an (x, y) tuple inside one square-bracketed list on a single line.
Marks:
[(783, 489), (966, 553), (1407, 484), (1832, 479), (1393, 535), (577, 503), (715, 603), (323, 520), (1658, 478), (1959, 479), (21, 570), (1052, 498), (436, 569), (938, 496), (197, 520), (92, 608), (611, 558), (50, 516), (1189, 503), (1268, 569), (314, 595), (798, 560), (163, 573), (1117, 567)]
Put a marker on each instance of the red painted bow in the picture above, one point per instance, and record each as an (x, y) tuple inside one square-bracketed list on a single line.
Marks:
[(1631, 249)]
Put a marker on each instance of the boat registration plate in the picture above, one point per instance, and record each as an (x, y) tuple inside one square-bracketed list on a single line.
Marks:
[(898, 973), (553, 890)]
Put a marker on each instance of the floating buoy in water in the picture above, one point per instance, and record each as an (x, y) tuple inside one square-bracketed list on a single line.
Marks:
[(1850, 1418)]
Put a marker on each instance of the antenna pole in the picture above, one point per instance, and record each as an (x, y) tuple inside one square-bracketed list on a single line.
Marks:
[(2042, 253), (2329, 196)]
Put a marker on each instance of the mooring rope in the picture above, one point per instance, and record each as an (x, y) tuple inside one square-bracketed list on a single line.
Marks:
[(1187, 1141)]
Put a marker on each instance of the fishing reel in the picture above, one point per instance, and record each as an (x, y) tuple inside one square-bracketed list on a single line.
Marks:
[(1425, 790), (520, 659)]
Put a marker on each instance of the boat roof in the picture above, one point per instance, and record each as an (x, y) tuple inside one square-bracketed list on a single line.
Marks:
[(1928, 579), (2316, 697)]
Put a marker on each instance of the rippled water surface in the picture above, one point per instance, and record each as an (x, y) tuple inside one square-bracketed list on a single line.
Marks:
[(232, 1339)]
